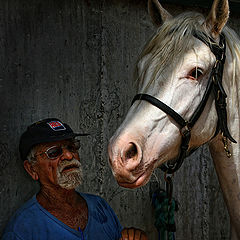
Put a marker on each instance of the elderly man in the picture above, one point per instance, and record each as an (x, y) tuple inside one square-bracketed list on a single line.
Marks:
[(49, 149)]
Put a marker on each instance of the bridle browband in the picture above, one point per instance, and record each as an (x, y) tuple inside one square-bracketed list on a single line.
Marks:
[(215, 84)]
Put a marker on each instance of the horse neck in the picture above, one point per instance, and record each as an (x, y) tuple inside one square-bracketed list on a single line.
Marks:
[(228, 172), (231, 81), (228, 169)]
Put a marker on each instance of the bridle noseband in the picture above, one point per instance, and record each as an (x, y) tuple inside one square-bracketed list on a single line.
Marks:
[(215, 84)]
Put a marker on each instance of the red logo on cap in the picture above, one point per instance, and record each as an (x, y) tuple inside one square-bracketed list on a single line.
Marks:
[(56, 125)]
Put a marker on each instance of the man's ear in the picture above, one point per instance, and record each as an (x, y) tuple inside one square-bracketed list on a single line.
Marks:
[(29, 167)]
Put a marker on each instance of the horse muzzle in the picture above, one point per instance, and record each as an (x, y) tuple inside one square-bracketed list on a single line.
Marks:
[(125, 159)]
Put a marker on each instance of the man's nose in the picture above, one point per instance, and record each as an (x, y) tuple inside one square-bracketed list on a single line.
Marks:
[(67, 154)]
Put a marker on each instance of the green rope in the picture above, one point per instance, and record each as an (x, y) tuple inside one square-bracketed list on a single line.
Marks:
[(164, 215)]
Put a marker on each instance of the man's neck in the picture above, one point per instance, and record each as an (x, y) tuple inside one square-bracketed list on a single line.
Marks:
[(57, 196), (66, 205)]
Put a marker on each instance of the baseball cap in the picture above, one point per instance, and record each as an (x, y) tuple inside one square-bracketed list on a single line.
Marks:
[(44, 131)]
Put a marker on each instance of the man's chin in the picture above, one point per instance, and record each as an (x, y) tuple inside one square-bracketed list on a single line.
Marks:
[(70, 181), (69, 186)]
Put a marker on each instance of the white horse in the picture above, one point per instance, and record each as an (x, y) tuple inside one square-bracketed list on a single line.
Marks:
[(175, 67)]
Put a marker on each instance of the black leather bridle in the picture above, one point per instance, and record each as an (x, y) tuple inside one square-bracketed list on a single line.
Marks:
[(214, 84)]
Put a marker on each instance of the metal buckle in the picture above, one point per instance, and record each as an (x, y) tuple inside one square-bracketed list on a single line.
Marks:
[(226, 146), (185, 130)]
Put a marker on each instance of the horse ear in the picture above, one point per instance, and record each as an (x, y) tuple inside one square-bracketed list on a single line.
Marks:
[(157, 12), (218, 17)]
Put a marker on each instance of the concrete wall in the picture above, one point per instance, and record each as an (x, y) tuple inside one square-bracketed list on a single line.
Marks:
[(74, 60)]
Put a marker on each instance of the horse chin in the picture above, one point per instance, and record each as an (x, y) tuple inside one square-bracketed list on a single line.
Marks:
[(135, 182), (138, 183)]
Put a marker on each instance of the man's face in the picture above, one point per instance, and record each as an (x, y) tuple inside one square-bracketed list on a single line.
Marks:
[(64, 170)]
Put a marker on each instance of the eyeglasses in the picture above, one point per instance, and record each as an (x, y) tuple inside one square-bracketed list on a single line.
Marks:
[(57, 151)]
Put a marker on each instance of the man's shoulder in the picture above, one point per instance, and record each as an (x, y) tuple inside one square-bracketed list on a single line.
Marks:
[(97, 202), (93, 198), (103, 222), (25, 214), (90, 196)]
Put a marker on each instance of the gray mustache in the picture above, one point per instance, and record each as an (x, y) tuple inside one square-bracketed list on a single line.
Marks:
[(66, 163)]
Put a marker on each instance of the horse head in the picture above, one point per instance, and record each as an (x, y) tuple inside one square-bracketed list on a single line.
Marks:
[(174, 68)]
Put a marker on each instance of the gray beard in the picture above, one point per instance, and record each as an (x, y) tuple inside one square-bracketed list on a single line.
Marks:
[(72, 179)]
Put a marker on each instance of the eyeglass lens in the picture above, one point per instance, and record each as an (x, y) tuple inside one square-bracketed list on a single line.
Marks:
[(56, 151)]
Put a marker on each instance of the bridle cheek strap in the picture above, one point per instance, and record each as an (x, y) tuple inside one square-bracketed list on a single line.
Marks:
[(172, 166), (159, 104), (215, 83)]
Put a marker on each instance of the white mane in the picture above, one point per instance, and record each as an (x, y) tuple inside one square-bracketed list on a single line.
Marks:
[(173, 40)]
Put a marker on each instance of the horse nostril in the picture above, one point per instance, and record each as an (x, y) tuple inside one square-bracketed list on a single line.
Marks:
[(131, 151)]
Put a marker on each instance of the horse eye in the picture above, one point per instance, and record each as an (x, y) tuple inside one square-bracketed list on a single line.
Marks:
[(195, 73)]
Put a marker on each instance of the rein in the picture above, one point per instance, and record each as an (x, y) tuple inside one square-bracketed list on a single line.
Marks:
[(214, 84)]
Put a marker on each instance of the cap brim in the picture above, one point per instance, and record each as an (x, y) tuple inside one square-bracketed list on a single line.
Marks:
[(63, 137), (81, 134), (53, 139)]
